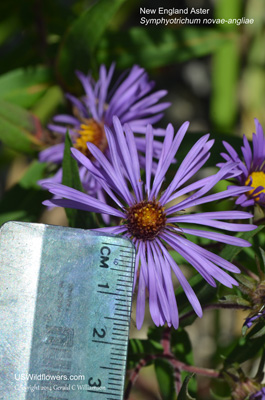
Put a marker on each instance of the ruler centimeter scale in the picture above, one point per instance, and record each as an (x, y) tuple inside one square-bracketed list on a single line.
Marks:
[(119, 323), (65, 305)]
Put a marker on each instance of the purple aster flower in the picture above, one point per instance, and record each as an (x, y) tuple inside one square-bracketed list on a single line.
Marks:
[(250, 320), (245, 388), (252, 168), (130, 99), (153, 220), (260, 395)]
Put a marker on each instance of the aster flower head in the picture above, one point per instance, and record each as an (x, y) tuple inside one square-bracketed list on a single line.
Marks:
[(153, 220), (254, 318), (260, 395), (254, 288), (251, 171), (131, 99), (243, 387)]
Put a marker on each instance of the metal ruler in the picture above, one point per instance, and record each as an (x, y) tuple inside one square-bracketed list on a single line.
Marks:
[(65, 304)]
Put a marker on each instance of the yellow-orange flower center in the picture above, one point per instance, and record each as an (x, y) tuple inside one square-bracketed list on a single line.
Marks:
[(255, 180), (146, 219), (90, 131)]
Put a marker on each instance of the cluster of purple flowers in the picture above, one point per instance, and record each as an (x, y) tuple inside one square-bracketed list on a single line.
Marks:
[(252, 168), (251, 320), (260, 395), (130, 170)]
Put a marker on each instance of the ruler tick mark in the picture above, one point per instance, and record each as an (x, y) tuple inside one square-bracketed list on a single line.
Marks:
[(100, 341), (117, 319), (126, 256), (101, 392), (114, 379), (115, 374), (124, 315), (122, 284), (118, 348), (117, 354), (118, 329), (121, 270), (119, 340), (124, 280), (114, 294), (113, 384), (118, 334), (113, 244)]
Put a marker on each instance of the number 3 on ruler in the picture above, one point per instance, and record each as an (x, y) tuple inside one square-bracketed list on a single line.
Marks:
[(91, 383)]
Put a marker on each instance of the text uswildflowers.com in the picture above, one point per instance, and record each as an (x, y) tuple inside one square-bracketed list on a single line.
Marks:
[(48, 377)]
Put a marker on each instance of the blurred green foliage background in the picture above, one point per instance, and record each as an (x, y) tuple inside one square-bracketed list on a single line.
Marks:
[(215, 76)]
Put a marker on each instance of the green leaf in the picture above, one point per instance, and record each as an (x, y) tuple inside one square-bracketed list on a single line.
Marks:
[(83, 36), (8, 26), (23, 202), (16, 215), (19, 129), (183, 393), (45, 107), (244, 330), (260, 332), (165, 377), (71, 178), (262, 252), (234, 299), (229, 252), (156, 47), (24, 86), (247, 281), (216, 397), (260, 372), (246, 348), (140, 348), (32, 175)]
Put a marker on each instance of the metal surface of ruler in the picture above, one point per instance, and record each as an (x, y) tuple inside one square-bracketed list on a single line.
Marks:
[(65, 304)]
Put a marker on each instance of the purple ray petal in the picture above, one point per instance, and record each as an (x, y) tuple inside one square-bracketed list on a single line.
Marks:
[(89, 202), (183, 282), (220, 237), (52, 154), (202, 220), (166, 275)]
